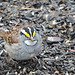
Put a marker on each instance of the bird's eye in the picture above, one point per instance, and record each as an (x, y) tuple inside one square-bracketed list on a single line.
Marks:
[(27, 34), (33, 34)]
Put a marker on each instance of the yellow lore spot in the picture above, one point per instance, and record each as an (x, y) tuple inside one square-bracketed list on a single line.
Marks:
[(27, 34), (33, 34)]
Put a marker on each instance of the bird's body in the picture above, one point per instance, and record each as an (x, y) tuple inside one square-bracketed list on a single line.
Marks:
[(19, 45)]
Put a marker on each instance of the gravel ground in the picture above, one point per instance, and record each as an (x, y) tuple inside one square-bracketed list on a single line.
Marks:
[(55, 22)]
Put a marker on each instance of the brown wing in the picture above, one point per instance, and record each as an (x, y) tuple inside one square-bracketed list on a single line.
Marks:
[(2, 32), (12, 36)]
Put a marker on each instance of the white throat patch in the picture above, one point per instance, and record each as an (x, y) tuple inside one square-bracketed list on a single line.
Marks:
[(29, 42)]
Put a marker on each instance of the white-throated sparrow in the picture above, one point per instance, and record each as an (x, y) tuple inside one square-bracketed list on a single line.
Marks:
[(22, 43)]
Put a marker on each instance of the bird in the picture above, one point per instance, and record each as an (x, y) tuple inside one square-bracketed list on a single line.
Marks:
[(22, 43)]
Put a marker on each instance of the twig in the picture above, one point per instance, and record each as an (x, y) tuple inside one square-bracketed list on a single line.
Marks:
[(71, 13), (30, 9), (1, 11)]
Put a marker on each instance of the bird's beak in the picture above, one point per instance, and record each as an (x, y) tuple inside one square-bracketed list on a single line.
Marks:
[(32, 39)]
